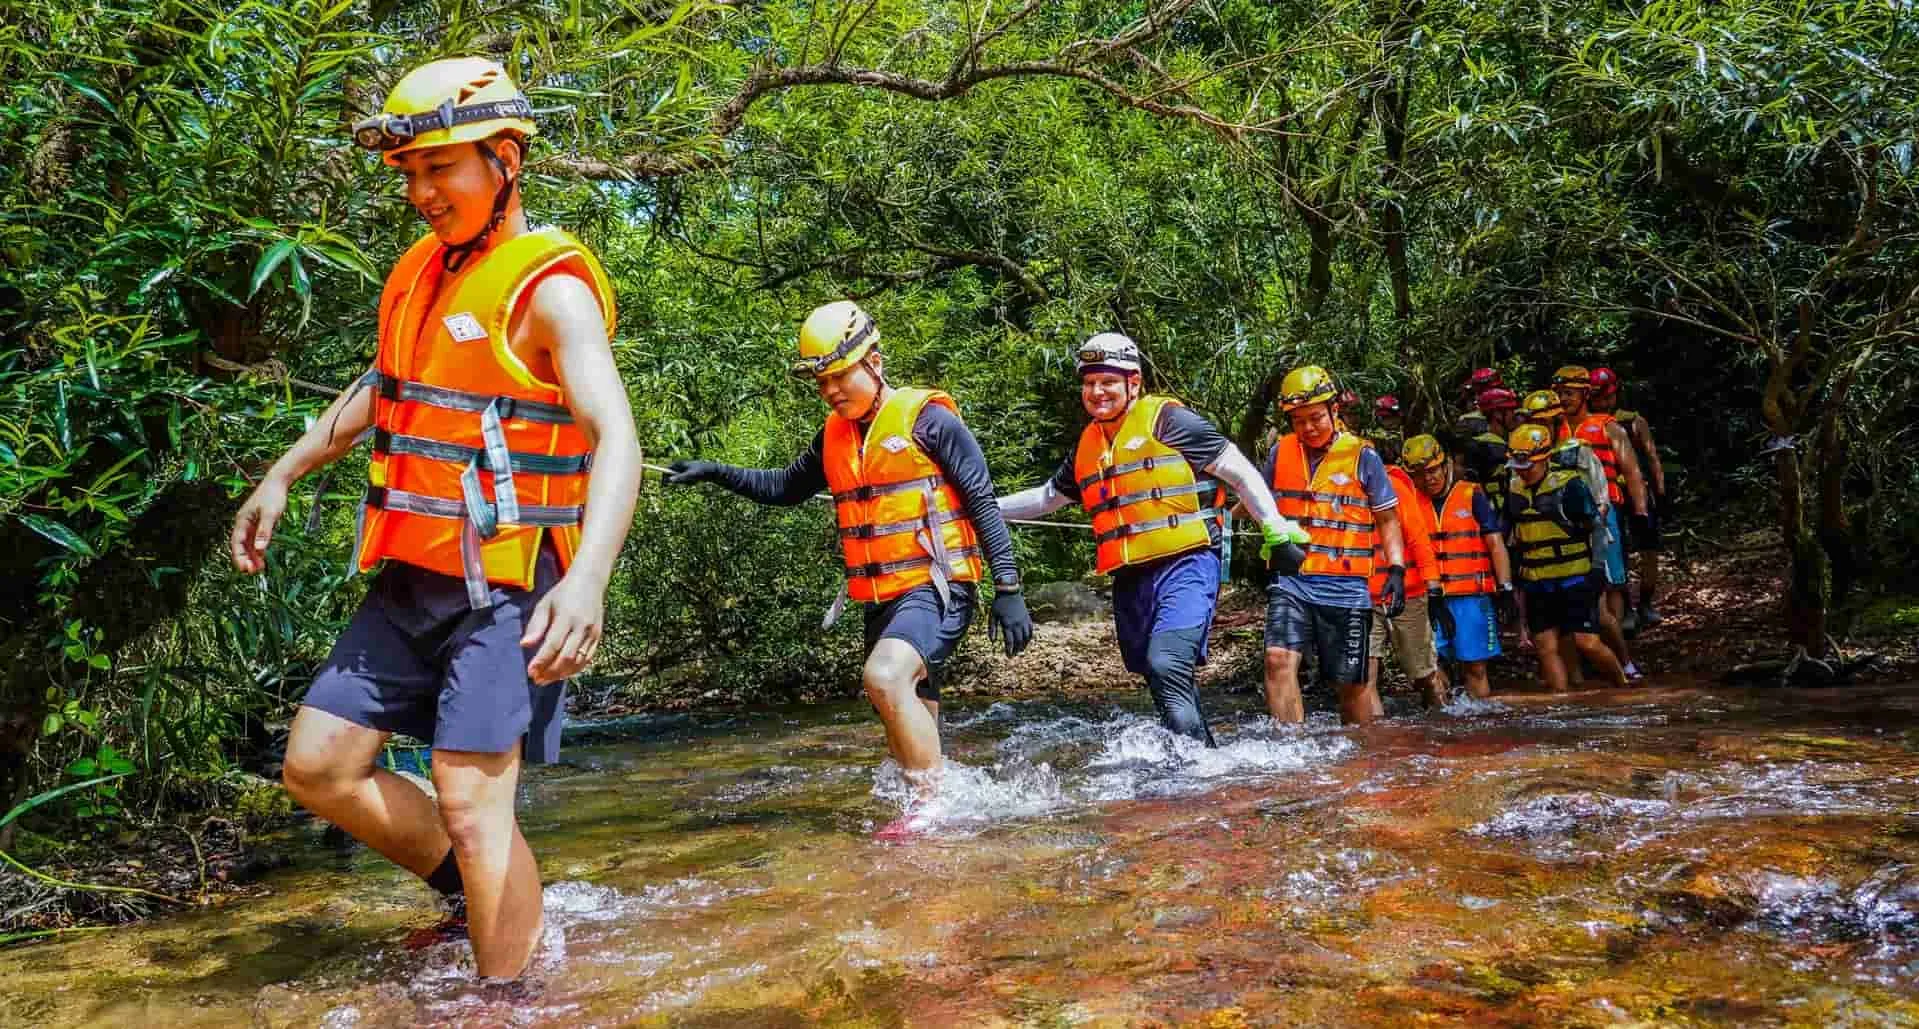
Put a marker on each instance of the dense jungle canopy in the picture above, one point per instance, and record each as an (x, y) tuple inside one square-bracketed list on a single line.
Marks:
[(1716, 199)]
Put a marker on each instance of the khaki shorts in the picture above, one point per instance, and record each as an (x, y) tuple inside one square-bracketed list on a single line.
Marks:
[(1412, 636)]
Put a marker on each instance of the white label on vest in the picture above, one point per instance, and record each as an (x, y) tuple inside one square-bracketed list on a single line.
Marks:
[(1340, 478), (1135, 443), (895, 444), (464, 328)]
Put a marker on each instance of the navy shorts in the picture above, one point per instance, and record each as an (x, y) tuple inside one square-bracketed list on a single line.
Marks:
[(1562, 606), (416, 659), (917, 618), (1178, 592), (1335, 636)]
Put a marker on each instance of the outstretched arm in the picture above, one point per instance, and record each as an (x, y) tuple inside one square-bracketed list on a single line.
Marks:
[(328, 440), (783, 487)]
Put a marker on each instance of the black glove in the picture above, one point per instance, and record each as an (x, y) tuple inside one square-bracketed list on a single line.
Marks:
[(1437, 612), (1506, 602), (1010, 620), (1643, 534), (1287, 558), (1394, 597), (690, 473)]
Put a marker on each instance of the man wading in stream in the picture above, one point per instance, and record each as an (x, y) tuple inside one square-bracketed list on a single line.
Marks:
[(493, 392), (1149, 471), (918, 526)]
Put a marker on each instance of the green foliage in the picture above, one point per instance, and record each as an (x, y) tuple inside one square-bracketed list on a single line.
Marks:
[(1716, 199)]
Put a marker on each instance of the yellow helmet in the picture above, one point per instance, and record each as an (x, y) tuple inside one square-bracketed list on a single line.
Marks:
[(1541, 403), (1422, 452), (457, 100), (835, 337), (1305, 386), (1526, 444), (1573, 375)]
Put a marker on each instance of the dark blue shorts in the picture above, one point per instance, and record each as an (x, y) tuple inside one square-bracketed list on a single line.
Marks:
[(917, 618), (1337, 637), (1178, 592), (1563, 605), (417, 660)]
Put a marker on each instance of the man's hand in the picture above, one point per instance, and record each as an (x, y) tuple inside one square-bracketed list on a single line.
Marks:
[(1010, 620), (1506, 603), (566, 627), (1437, 613), (253, 526), (1278, 534), (690, 473), (1393, 599)]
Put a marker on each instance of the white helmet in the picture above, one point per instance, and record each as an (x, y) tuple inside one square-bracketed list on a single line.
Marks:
[(1108, 351)]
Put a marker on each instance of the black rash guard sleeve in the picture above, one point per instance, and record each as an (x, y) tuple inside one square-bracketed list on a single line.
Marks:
[(782, 486), (952, 446), (1063, 482), (1197, 440)]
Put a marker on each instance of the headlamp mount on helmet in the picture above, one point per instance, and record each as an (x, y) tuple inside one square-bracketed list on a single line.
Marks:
[(384, 132), (814, 367)]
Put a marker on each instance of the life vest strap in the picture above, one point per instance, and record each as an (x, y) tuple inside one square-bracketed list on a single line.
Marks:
[(1460, 535), (1332, 551), (381, 498), (1341, 499), (1120, 532), (867, 532), (1144, 464), (1311, 522), (885, 489), (389, 387), (879, 568), (1199, 487), (385, 442)]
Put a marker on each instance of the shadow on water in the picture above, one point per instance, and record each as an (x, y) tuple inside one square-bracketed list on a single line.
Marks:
[(1686, 857)]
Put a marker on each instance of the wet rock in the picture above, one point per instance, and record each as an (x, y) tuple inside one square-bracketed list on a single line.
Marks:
[(1180, 917), (1066, 602)]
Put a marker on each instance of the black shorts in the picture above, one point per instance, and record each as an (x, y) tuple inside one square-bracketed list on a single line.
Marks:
[(416, 659), (1649, 542), (1336, 636), (1564, 609), (917, 618)]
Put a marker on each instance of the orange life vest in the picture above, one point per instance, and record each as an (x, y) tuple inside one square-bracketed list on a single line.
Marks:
[(1330, 504), (475, 459), (1592, 432), (1416, 530), (1146, 501), (902, 525), (1465, 562)]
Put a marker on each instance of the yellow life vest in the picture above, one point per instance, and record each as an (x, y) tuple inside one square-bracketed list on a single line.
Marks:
[(1548, 547), (1146, 501)]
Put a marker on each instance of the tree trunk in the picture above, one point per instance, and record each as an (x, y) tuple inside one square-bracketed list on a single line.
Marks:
[(1809, 582)]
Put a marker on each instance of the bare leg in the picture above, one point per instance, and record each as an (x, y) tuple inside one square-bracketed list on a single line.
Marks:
[(1358, 703), (329, 770), (1601, 656), (893, 671), (1552, 666), (1569, 661), (1433, 688), (1648, 581), (1477, 682), (1610, 604), (1283, 701), (502, 880)]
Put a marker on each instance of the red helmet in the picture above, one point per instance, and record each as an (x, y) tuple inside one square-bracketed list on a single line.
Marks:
[(1348, 400), (1386, 405), (1498, 399), (1605, 382), (1484, 379)]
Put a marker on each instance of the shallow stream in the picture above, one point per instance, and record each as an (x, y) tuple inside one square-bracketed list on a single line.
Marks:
[(1680, 857)]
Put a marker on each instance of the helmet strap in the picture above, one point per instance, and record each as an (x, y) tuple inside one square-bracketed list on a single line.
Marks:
[(455, 255)]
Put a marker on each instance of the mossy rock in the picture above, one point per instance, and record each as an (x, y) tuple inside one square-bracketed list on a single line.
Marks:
[(260, 802), (1889, 616)]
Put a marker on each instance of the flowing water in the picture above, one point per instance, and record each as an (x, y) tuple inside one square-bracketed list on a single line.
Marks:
[(1682, 857)]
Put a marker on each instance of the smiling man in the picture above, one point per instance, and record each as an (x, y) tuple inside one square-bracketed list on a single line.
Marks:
[(918, 524), (1153, 474), (493, 393)]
